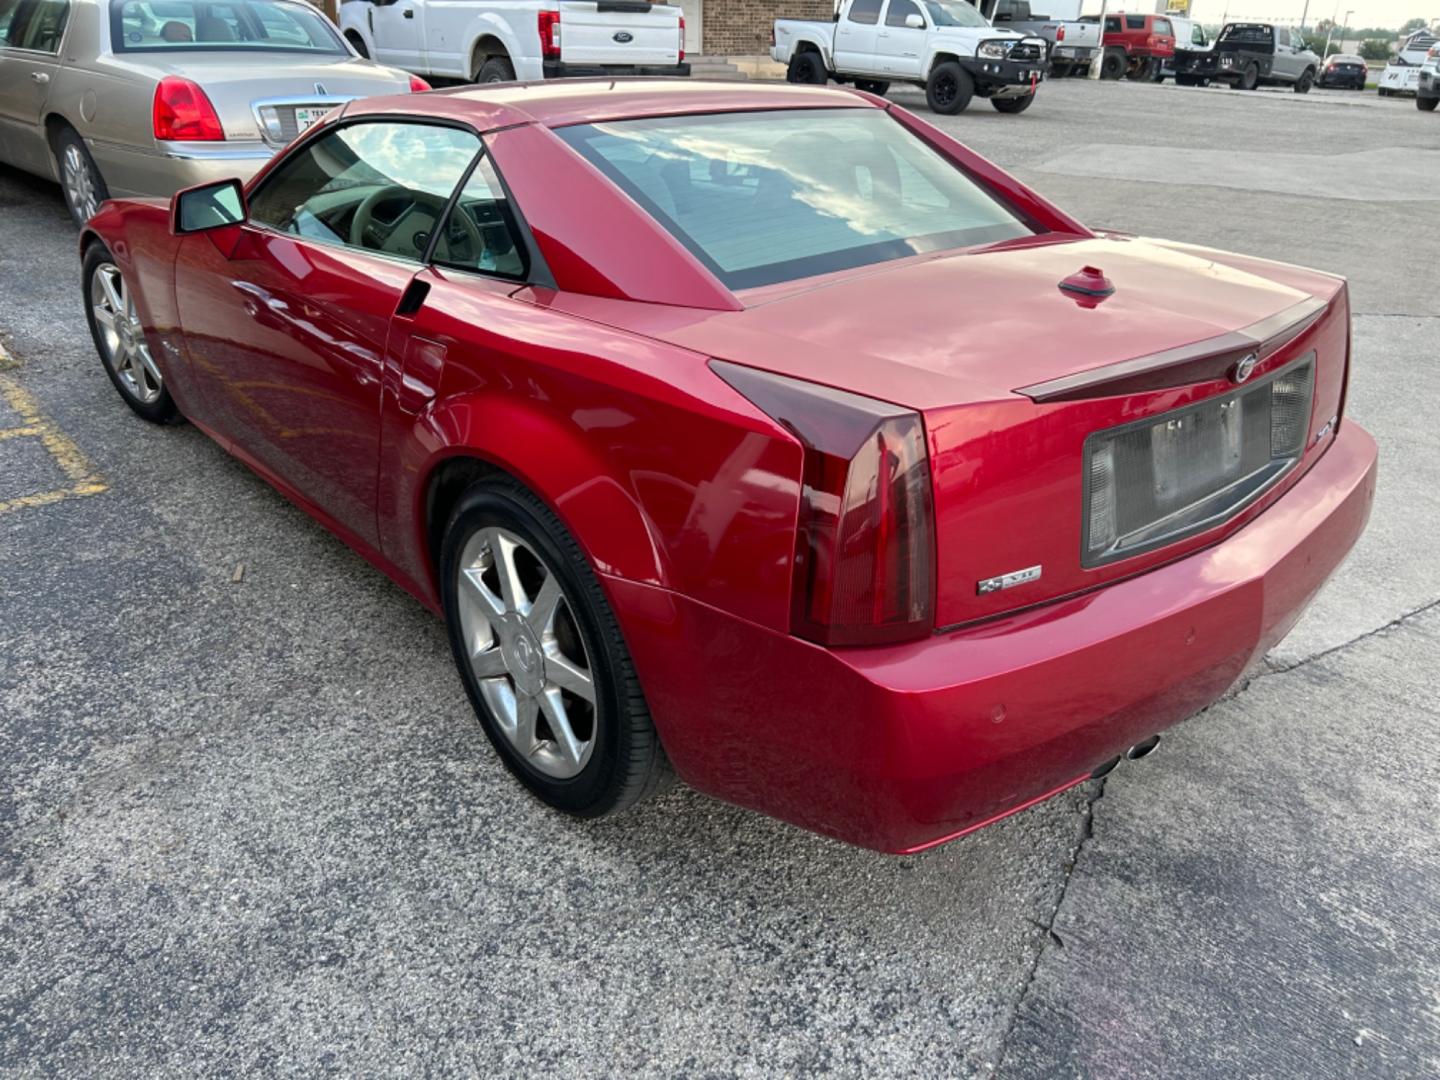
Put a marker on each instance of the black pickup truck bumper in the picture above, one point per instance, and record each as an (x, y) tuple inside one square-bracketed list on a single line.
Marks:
[(1005, 78), (558, 69)]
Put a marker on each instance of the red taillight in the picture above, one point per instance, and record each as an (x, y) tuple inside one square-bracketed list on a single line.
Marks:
[(865, 551), (1060, 33), (682, 38), (418, 85), (549, 35), (182, 112)]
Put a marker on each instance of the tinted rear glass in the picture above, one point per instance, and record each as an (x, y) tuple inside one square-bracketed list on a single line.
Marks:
[(768, 197), (220, 26)]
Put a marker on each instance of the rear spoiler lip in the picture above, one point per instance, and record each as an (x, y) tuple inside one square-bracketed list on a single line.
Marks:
[(1202, 361)]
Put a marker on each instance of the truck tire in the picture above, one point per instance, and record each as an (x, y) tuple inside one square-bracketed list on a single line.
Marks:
[(1012, 105), (1250, 78), (1185, 80), (949, 89), (1114, 64), (497, 69), (1307, 80), (807, 67), (1426, 104), (873, 86)]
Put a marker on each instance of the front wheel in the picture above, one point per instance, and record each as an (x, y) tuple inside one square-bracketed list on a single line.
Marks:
[(949, 89), (1013, 105), (1114, 64), (807, 67), (1305, 82), (1426, 104), (873, 86), (542, 657), (120, 339)]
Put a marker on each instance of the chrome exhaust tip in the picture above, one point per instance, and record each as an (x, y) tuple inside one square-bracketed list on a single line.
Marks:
[(1105, 768), (1143, 749)]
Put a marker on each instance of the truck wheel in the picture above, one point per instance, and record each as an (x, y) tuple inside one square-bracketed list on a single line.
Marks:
[(1303, 84), (873, 86), (949, 89), (1251, 77), (497, 69), (1114, 64), (80, 178), (807, 67), (1426, 104), (1012, 105)]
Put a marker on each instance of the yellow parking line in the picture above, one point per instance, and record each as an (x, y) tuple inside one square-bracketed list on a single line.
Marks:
[(34, 424)]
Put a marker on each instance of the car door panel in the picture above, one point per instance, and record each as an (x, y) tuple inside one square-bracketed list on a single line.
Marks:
[(398, 32), (856, 40), (286, 340), (29, 64), (900, 48)]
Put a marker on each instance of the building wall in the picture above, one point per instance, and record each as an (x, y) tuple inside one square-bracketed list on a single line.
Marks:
[(742, 27)]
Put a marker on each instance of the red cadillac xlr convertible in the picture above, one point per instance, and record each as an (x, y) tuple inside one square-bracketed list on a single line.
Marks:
[(763, 435)]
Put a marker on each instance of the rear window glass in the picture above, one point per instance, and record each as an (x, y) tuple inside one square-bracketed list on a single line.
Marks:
[(215, 26), (768, 197)]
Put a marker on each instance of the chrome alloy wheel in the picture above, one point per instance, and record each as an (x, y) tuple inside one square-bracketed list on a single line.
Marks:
[(526, 651), (79, 183), (121, 335)]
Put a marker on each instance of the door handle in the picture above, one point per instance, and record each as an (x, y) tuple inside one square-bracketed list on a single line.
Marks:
[(40, 77), (408, 13)]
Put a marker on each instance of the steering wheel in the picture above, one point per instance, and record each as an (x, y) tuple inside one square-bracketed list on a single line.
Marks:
[(366, 232)]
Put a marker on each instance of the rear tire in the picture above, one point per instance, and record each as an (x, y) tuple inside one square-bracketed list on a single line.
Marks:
[(615, 757), (873, 86), (1305, 82), (497, 69), (115, 329), (808, 68), (949, 89), (1013, 105), (1114, 64), (1250, 78), (80, 180)]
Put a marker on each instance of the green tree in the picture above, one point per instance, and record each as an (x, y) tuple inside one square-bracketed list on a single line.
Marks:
[(1412, 25), (1316, 43), (1375, 49)]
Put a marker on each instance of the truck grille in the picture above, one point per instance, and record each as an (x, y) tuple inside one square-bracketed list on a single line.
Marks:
[(1158, 480), (1027, 51)]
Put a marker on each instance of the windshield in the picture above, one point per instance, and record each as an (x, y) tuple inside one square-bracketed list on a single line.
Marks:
[(768, 197), (954, 13), (220, 26)]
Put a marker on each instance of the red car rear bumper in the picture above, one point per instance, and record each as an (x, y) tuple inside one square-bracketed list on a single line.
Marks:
[(902, 747)]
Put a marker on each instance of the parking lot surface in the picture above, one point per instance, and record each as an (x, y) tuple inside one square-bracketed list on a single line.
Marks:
[(248, 822)]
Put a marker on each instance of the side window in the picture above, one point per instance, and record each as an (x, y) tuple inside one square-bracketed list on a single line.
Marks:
[(865, 11), (899, 11), (381, 186), (37, 25), (480, 233), (1135, 22), (1197, 35), (1112, 24), (1162, 27)]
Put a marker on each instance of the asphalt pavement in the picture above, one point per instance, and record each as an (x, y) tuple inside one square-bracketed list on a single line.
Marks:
[(248, 824)]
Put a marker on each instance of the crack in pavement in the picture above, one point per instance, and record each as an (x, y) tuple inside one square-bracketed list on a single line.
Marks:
[(1087, 827)]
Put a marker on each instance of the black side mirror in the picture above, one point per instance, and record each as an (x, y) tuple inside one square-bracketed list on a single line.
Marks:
[(207, 206)]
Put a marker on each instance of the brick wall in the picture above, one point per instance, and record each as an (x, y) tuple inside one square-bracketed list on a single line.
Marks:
[(742, 27)]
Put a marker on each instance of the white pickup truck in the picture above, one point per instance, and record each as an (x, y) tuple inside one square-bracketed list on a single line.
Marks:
[(504, 40), (946, 46)]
